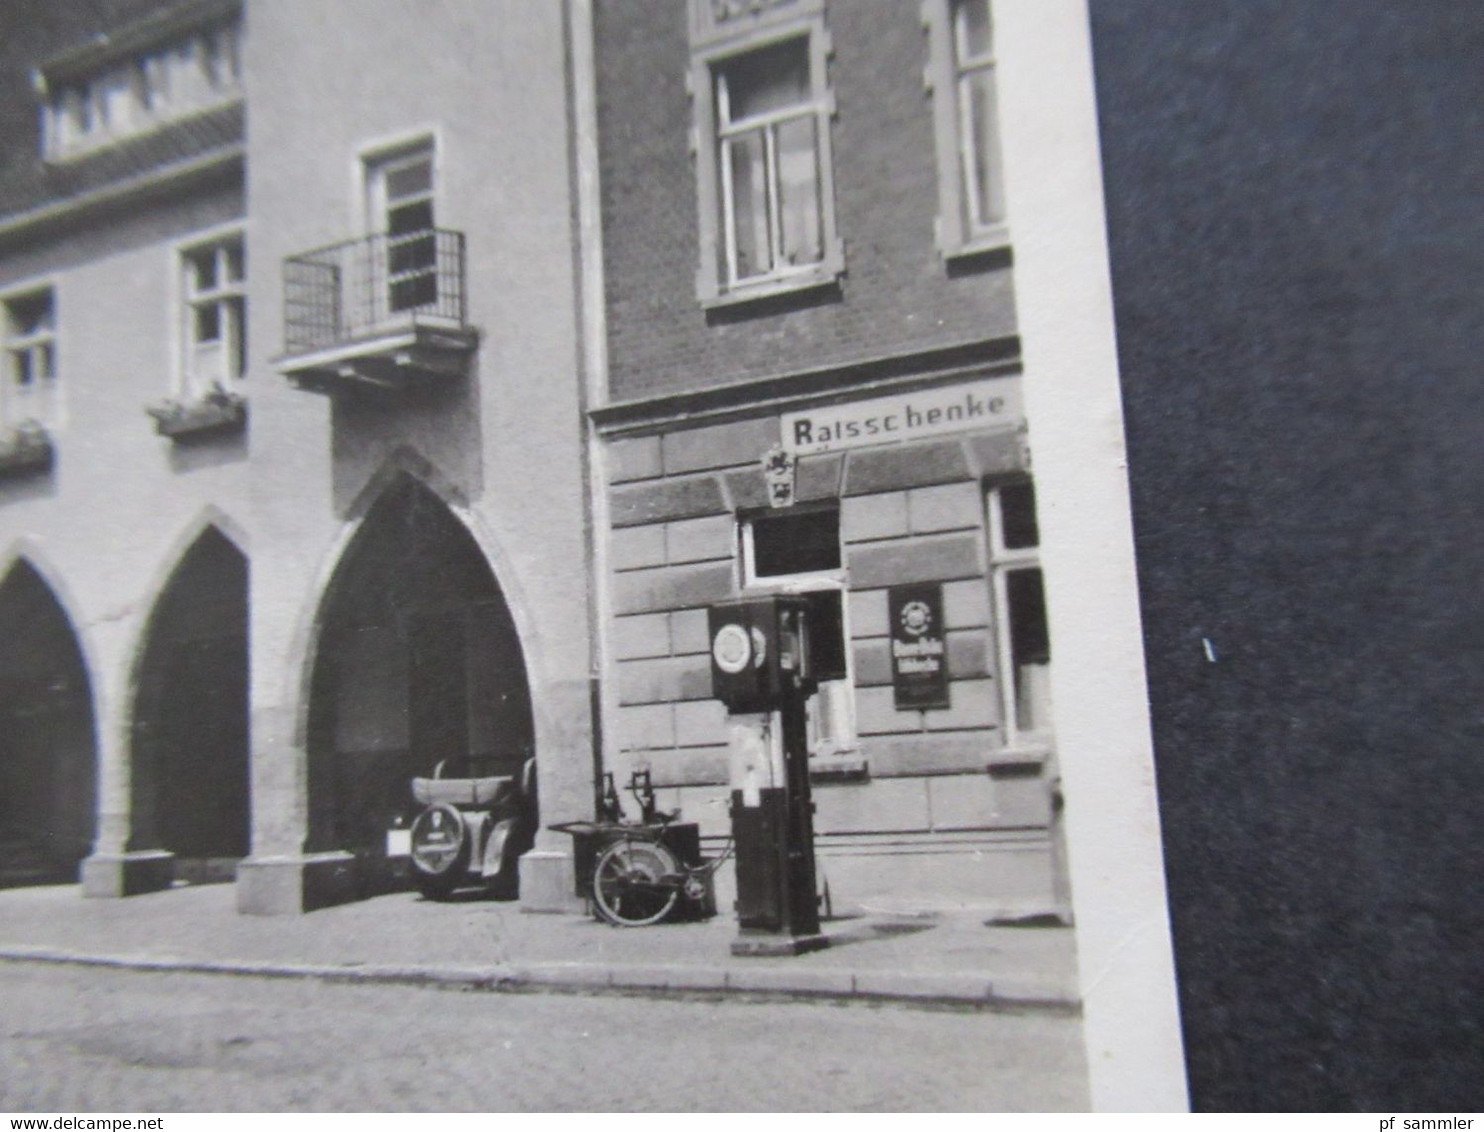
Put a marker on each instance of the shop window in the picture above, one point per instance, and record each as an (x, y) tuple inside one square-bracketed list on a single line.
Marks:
[(764, 170), (798, 552), (30, 359), (400, 197), (214, 315), (1022, 641), (961, 77)]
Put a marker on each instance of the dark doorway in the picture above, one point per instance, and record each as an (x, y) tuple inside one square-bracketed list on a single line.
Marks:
[(189, 768), (48, 757), (418, 664)]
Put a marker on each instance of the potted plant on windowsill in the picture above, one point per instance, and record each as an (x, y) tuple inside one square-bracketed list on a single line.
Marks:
[(26, 447), (216, 412)]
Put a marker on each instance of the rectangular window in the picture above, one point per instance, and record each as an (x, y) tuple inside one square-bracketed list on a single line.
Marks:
[(767, 131), (400, 200), (215, 315), (961, 76), (792, 542), (764, 174), (30, 358), (1022, 639)]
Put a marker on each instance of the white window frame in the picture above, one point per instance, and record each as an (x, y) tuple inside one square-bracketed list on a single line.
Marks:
[(373, 163), (39, 401), (831, 712), (196, 376), (716, 281), (960, 231), (1002, 561)]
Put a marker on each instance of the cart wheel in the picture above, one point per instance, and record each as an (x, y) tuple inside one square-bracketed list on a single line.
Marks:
[(634, 883), (440, 851)]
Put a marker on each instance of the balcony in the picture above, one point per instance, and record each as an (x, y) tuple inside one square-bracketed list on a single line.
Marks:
[(386, 312)]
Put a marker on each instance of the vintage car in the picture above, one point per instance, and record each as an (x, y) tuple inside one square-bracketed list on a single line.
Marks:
[(470, 833)]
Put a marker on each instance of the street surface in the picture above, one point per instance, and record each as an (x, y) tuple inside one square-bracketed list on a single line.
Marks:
[(78, 1039)]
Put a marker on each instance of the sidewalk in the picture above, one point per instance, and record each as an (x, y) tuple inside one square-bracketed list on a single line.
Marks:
[(949, 957)]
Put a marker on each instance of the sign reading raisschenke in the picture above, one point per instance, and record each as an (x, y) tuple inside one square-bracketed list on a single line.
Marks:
[(904, 416)]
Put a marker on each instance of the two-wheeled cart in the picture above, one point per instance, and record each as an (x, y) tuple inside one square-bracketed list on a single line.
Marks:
[(638, 873)]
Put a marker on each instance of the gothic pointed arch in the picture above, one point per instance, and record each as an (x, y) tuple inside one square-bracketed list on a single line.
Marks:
[(48, 743), (417, 663), (189, 737)]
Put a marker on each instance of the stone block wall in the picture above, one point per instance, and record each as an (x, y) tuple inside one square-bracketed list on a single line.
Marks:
[(908, 513)]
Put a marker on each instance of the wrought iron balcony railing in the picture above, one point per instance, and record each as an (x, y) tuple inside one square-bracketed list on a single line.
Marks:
[(378, 285)]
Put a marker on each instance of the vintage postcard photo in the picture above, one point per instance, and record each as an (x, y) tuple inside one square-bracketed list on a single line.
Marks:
[(614, 505)]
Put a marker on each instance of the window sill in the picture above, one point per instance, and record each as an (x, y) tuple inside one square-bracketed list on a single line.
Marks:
[(788, 285), (995, 241), (1023, 759), (839, 768)]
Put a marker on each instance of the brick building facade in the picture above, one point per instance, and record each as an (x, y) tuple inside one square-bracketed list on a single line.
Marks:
[(805, 254)]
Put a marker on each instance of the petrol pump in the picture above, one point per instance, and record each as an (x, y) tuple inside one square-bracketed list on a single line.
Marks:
[(760, 670)]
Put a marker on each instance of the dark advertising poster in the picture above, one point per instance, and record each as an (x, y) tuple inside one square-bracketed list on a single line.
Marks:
[(919, 657)]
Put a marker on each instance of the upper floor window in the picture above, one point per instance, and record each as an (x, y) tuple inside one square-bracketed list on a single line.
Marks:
[(961, 75), (30, 341), (215, 315), (768, 140), (399, 206), (764, 171), (188, 74)]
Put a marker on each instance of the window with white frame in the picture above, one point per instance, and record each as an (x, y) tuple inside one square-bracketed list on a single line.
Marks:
[(797, 551), (30, 358), (961, 76), (214, 286), (764, 171), (1022, 640), (400, 200)]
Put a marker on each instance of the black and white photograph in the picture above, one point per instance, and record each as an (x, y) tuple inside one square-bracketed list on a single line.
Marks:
[(588, 555)]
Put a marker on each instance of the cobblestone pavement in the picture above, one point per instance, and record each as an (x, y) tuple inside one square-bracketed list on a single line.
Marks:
[(79, 1040)]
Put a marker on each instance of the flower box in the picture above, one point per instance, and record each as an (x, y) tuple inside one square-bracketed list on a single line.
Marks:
[(25, 449), (218, 413)]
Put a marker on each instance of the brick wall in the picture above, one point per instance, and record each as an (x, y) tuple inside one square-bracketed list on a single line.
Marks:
[(896, 296)]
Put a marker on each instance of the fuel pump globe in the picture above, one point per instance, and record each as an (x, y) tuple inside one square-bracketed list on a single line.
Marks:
[(731, 648)]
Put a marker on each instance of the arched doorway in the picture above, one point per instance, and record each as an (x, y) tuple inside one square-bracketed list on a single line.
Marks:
[(189, 756), (48, 753), (418, 663)]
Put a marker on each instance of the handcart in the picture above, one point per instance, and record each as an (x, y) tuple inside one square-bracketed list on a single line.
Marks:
[(639, 873)]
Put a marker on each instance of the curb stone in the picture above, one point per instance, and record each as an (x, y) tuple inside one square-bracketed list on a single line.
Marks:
[(814, 983)]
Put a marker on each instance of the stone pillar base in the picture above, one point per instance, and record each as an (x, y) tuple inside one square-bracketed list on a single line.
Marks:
[(286, 886), (127, 874), (548, 883)]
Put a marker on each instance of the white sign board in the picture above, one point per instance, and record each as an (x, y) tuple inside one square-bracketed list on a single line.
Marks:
[(989, 403)]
